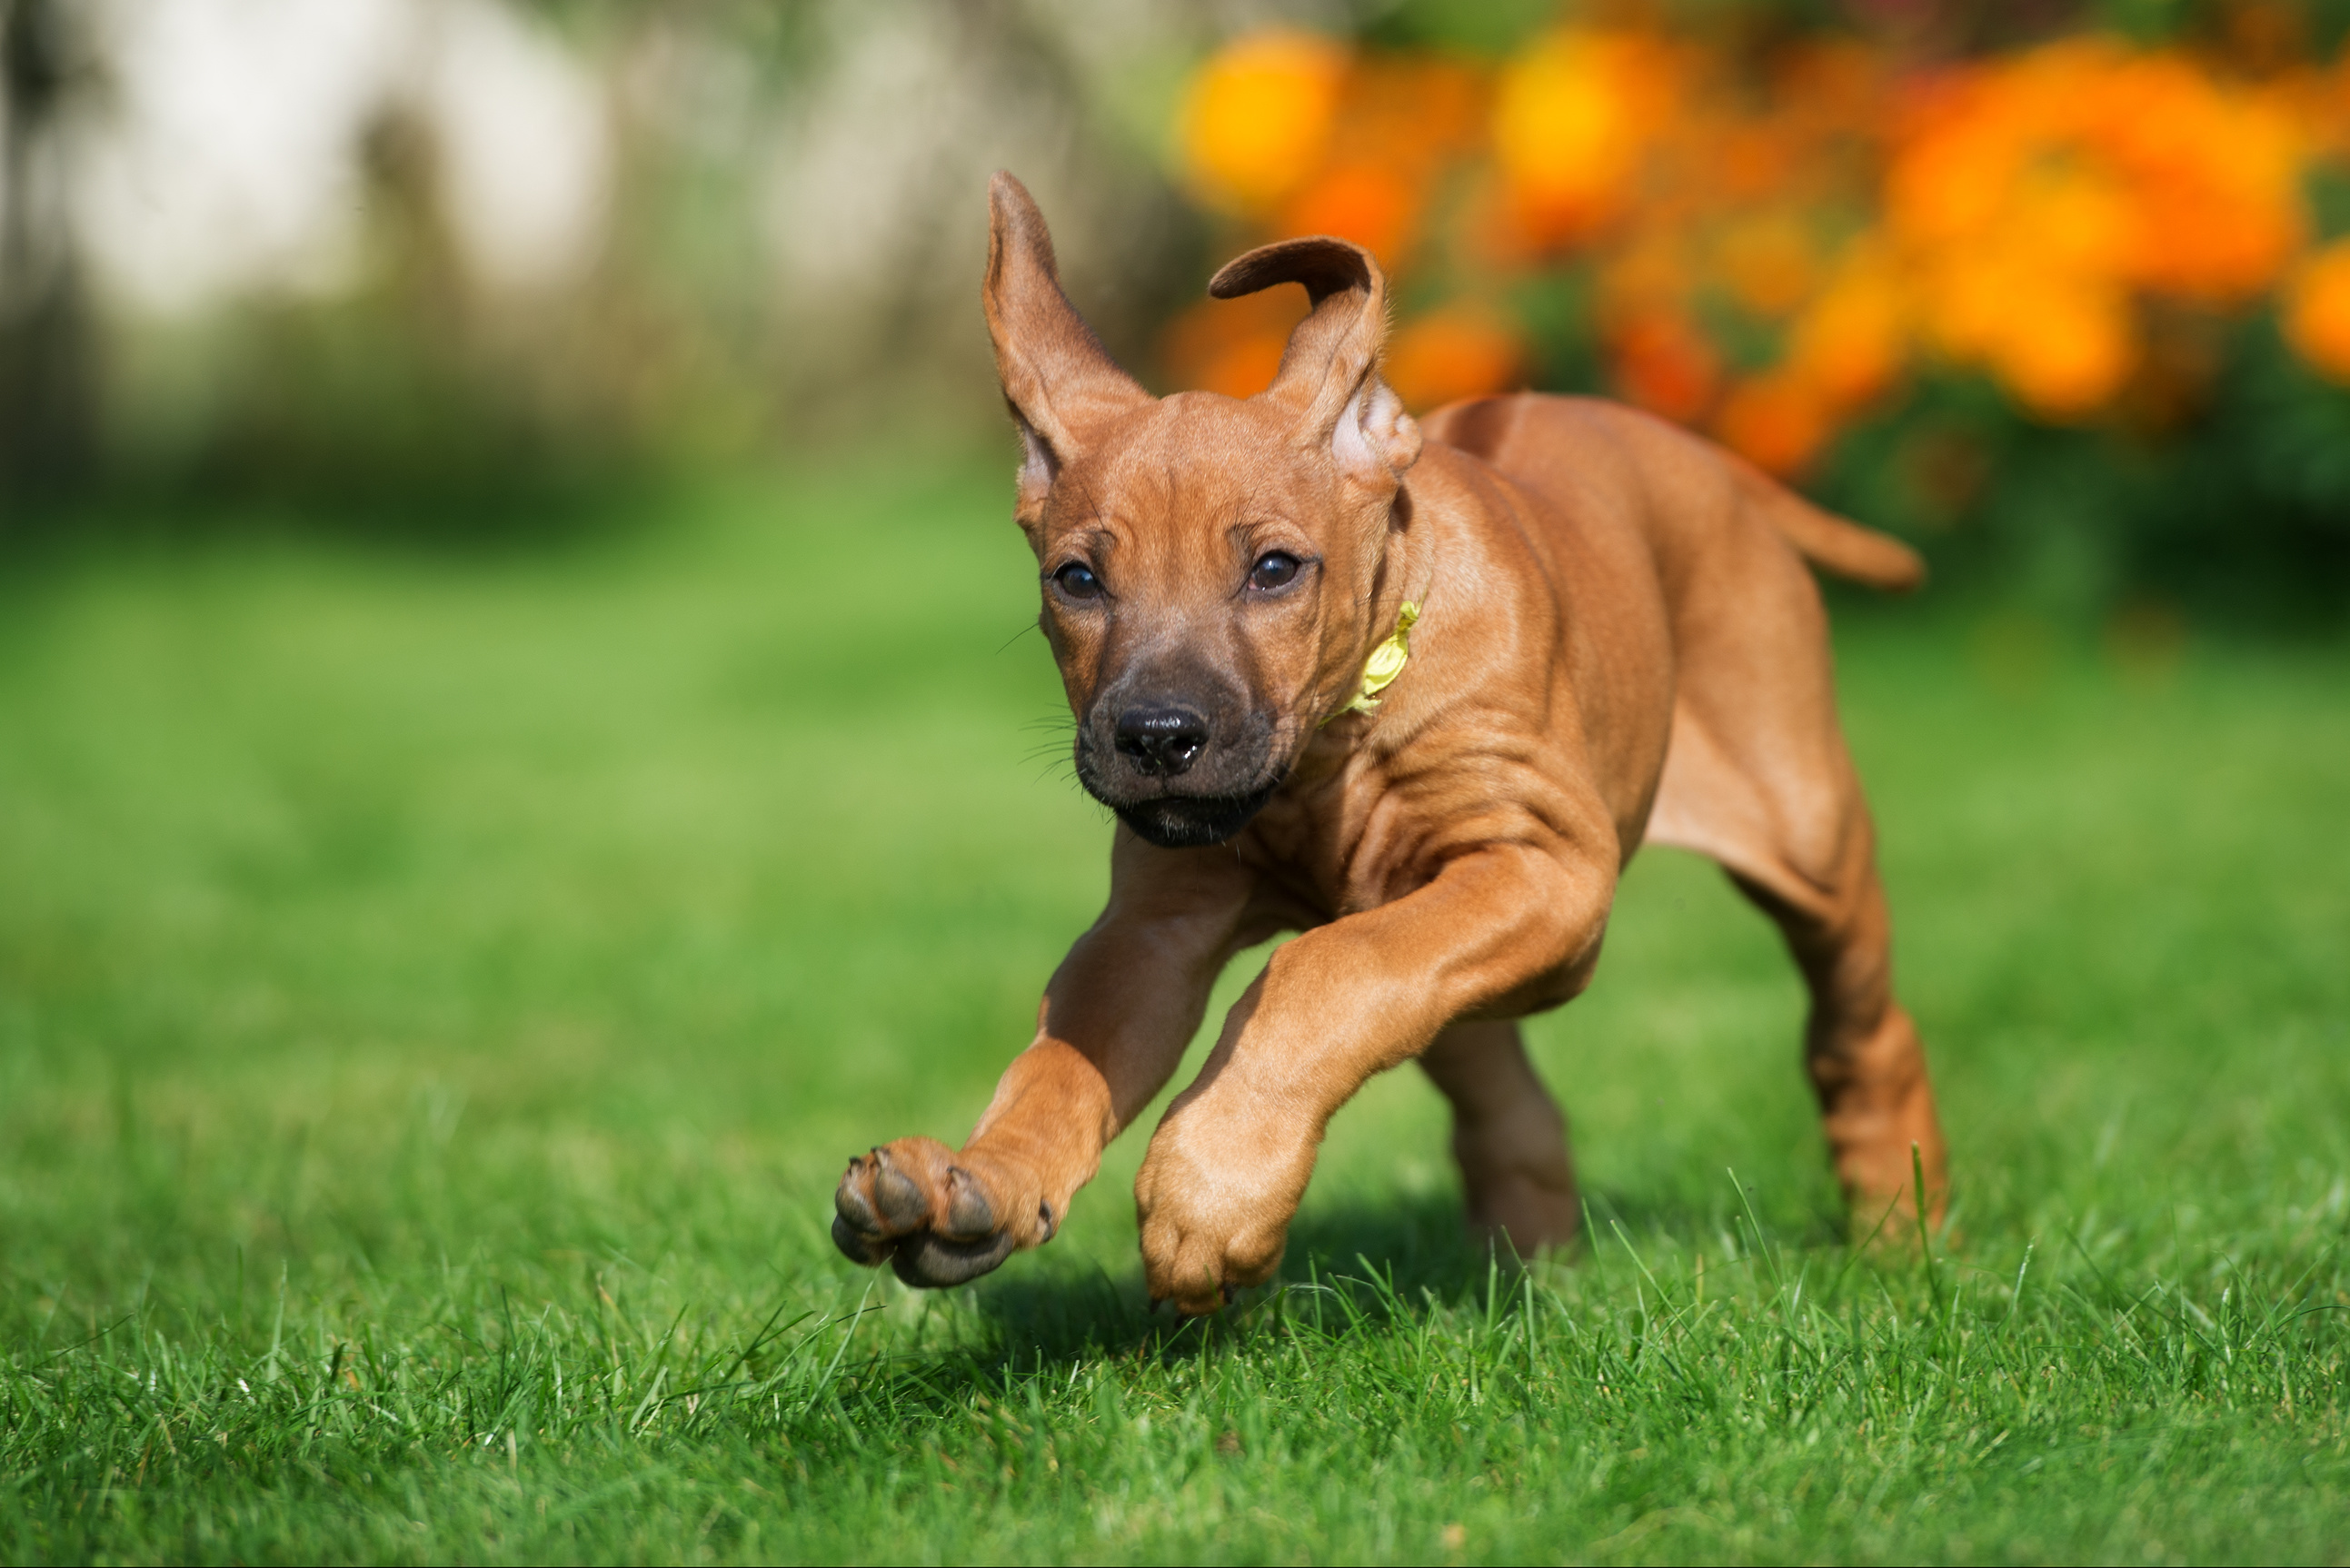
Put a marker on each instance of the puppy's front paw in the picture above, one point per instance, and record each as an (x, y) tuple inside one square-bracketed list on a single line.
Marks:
[(1210, 1227), (936, 1221)]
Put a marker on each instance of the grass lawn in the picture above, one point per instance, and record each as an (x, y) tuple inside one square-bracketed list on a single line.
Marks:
[(438, 995)]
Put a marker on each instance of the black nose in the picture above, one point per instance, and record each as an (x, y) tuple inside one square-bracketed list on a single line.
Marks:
[(1162, 742)]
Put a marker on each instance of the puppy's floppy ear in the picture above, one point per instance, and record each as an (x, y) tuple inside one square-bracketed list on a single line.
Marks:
[(1061, 382), (1330, 372)]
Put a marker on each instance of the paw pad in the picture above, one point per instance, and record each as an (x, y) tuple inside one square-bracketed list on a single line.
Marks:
[(886, 1212)]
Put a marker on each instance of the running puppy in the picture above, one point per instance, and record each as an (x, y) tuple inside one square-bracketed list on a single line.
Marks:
[(1417, 691)]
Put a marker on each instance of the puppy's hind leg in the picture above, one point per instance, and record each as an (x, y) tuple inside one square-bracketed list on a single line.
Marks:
[(1806, 854), (1757, 776), (1507, 1134), (1861, 1050)]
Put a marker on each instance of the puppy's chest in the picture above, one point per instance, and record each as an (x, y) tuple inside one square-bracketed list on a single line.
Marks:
[(1319, 846)]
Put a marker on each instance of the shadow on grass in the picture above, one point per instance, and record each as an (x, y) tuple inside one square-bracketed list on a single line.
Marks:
[(1413, 1247), (1388, 1257)]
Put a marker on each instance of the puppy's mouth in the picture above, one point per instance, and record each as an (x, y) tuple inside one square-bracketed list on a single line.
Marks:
[(1193, 821), (1171, 815)]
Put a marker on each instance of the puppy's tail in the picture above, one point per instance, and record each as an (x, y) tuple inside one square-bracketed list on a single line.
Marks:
[(1835, 545)]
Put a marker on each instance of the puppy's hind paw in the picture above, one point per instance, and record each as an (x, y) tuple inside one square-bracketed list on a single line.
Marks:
[(931, 1220)]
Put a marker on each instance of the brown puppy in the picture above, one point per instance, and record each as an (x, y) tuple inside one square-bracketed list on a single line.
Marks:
[(1615, 641)]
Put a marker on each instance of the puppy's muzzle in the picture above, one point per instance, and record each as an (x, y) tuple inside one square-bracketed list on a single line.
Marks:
[(1182, 764), (1161, 743)]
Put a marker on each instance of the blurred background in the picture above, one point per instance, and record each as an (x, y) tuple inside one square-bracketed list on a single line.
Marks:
[(2058, 290)]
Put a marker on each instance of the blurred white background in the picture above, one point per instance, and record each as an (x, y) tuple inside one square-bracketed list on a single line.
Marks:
[(740, 220)]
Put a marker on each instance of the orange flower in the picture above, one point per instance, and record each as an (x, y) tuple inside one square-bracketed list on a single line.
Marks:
[(1951, 170), (2064, 351), (1573, 118), (1776, 422), (1767, 263), (1650, 275), (1245, 366), (1830, 84), (1456, 352), (1849, 344), (1232, 346), (2017, 213), (1754, 160), (1412, 111), (1257, 118), (2215, 176), (2083, 161), (1369, 203), (2032, 197), (2317, 311), (1664, 363)]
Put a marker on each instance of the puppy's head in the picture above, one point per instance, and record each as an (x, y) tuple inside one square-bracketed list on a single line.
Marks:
[(1209, 564)]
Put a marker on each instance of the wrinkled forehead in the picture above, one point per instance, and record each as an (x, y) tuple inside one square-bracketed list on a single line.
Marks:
[(1189, 462)]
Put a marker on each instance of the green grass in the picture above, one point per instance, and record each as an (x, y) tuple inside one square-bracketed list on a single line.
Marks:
[(437, 996)]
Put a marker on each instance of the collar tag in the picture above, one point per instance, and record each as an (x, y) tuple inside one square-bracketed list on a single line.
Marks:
[(1386, 662)]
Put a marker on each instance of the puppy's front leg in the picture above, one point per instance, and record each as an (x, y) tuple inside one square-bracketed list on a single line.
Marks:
[(1230, 1162), (1113, 1024)]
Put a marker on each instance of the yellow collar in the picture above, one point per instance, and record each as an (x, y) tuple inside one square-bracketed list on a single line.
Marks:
[(1386, 662)]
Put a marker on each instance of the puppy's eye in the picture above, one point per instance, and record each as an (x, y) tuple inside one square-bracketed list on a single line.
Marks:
[(1078, 580), (1273, 569)]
